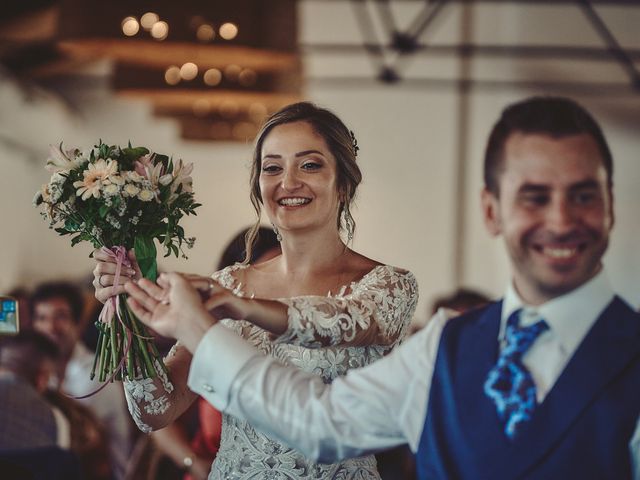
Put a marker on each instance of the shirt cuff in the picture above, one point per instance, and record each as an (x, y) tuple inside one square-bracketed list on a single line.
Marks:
[(219, 357)]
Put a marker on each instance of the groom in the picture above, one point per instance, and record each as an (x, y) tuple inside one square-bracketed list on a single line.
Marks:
[(544, 384)]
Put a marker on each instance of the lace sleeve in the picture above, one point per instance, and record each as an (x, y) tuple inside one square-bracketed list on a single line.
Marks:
[(156, 402), (376, 312)]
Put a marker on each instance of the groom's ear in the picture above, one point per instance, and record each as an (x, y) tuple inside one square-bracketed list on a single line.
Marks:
[(491, 212)]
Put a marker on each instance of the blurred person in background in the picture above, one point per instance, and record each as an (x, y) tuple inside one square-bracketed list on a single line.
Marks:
[(35, 435), (27, 420), (460, 301), (56, 311)]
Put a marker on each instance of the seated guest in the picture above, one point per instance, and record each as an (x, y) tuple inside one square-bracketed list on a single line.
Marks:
[(460, 301), (57, 313), (88, 437), (27, 420)]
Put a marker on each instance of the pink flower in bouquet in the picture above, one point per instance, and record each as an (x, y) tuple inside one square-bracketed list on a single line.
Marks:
[(145, 167), (154, 173), (144, 164), (94, 177), (181, 176)]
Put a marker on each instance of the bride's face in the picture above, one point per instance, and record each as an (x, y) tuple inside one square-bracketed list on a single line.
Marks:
[(298, 179)]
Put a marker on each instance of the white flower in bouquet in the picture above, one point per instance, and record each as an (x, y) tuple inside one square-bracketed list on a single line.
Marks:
[(64, 160), (94, 177)]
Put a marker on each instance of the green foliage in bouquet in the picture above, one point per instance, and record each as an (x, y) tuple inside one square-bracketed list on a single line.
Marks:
[(120, 199)]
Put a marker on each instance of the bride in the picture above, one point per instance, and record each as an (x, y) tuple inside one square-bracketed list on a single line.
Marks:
[(319, 305)]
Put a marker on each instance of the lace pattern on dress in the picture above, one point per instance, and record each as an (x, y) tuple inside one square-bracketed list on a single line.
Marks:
[(376, 301), (384, 299), (149, 394)]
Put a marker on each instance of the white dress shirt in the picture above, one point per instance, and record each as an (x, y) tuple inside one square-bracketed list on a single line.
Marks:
[(384, 404)]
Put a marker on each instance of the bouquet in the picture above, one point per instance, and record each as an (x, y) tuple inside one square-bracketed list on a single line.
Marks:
[(118, 199)]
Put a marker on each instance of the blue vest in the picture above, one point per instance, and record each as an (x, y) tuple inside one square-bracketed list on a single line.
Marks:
[(581, 430)]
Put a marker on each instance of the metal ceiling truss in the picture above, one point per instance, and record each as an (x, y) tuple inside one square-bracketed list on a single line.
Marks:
[(390, 56)]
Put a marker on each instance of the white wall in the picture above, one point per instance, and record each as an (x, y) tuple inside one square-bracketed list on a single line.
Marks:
[(407, 206)]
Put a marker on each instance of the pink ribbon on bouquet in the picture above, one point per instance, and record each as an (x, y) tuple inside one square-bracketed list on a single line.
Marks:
[(111, 306), (111, 309)]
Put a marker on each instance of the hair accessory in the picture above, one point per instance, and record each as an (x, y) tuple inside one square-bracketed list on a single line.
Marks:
[(354, 143)]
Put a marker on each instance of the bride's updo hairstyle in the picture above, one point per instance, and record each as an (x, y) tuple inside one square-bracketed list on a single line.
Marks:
[(343, 147)]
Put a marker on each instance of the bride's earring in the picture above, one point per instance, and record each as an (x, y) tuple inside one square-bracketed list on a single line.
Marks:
[(277, 232)]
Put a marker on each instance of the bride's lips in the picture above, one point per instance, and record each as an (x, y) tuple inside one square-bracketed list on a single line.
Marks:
[(293, 202)]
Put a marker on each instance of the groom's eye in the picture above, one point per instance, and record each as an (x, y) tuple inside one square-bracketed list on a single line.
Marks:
[(534, 199)]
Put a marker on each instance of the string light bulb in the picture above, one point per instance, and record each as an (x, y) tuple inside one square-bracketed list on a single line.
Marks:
[(228, 31), (212, 77), (189, 71), (148, 20), (205, 33), (247, 77), (160, 30), (130, 26), (172, 75)]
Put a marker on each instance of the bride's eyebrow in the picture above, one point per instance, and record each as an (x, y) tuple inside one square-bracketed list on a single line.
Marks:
[(309, 152), (299, 154)]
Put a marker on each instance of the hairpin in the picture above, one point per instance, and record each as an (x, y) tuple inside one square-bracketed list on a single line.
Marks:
[(354, 143)]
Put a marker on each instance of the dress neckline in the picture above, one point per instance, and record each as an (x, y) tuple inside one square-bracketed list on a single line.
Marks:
[(233, 284)]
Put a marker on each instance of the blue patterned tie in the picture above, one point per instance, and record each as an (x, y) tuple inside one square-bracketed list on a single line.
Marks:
[(509, 383)]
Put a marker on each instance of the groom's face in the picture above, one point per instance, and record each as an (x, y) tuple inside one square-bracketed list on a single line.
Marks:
[(554, 211)]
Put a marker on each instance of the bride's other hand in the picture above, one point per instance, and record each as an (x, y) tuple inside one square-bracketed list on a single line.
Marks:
[(222, 303), (172, 308), (204, 285), (104, 275)]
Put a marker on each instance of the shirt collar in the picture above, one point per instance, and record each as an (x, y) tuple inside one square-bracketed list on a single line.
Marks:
[(569, 316)]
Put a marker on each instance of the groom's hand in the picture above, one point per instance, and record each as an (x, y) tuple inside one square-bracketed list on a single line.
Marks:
[(173, 308)]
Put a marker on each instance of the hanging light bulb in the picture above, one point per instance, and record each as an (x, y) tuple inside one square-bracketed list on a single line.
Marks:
[(148, 20), (228, 31), (130, 26), (160, 30), (172, 75), (189, 71), (212, 77), (205, 33), (247, 77)]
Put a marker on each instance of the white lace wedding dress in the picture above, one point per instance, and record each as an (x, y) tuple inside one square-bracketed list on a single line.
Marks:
[(326, 336)]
